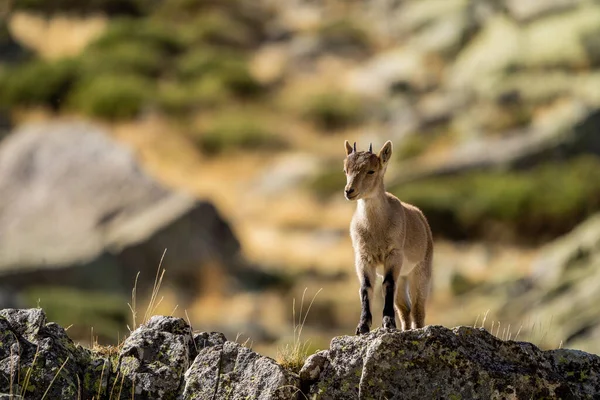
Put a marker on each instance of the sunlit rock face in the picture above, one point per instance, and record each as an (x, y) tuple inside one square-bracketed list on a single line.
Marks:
[(439, 363), (78, 210), (164, 359)]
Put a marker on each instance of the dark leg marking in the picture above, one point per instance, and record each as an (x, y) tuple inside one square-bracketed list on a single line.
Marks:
[(389, 291), (364, 325)]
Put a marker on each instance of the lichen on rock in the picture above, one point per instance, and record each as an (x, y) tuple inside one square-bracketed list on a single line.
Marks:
[(232, 371), (439, 363), (163, 359), (155, 357)]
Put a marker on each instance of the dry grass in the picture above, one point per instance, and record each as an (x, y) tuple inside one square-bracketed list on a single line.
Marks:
[(57, 36), (153, 303), (292, 356), (535, 331), (54, 378)]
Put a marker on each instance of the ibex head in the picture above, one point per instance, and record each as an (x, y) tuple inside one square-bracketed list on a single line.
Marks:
[(365, 170)]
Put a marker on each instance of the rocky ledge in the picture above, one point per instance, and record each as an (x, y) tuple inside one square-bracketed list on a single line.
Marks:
[(164, 359)]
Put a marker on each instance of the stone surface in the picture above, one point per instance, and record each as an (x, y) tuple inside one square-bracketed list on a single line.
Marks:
[(232, 371), (33, 352), (439, 363), (540, 49), (485, 58), (403, 66), (567, 131), (525, 10), (445, 35), (77, 209), (155, 362), (155, 357)]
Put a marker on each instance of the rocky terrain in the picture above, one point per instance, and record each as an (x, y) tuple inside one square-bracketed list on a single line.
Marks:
[(165, 359)]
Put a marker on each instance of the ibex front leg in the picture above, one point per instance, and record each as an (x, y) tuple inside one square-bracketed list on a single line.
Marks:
[(366, 276), (392, 266)]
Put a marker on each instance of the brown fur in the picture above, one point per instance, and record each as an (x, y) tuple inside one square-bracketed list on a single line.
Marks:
[(387, 232)]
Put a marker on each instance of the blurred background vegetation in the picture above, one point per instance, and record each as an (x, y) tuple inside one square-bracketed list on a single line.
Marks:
[(493, 107)]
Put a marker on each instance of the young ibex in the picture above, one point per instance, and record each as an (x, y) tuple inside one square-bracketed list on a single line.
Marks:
[(388, 232)]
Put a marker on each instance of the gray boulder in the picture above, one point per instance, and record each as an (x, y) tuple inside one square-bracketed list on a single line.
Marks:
[(439, 363), (38, 357), (155, 362), (229, 370), (77, 209), (155, 357), (567, 132), (527, 10)]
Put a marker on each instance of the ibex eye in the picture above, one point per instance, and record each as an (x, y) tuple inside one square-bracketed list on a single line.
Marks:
[(371, 172)]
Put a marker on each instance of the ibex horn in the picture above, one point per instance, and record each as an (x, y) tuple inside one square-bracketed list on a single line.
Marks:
[(355, 147), (370, 147)]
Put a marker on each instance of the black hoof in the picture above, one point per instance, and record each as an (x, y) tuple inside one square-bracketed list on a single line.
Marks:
[(389, 323), (361, 329)]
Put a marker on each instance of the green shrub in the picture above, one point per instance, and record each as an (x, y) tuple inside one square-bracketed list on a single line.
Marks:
[(238, 131), (146, 31), (224, 22), (333, 110), (37, 83), (228, 68), (113, 97), (329, 182), (180, 98), (343, 34), (218, 28), (128, 57), (413, 146), (532, 205)]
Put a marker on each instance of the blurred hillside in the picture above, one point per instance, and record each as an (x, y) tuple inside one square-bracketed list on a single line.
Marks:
[(493, 107)]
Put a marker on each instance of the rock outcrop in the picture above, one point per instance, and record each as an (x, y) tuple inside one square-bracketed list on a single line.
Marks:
[(439, 363), (77, 209), (164, 359)]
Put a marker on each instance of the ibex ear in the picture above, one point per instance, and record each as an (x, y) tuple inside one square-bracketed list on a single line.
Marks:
[(348, 148), (386, 152)]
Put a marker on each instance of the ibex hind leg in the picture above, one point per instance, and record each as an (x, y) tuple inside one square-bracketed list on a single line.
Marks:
[(418, 285), (403, 303)]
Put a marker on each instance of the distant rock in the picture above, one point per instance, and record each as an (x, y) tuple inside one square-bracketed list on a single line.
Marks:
[(567, 131), (406, 67), (541, 50), (446, 35), (526, 10), (286, 172), (556, 257), (76, 209), (483, 61), (418, 14), (439, 363), (558, 297), (566, 278)]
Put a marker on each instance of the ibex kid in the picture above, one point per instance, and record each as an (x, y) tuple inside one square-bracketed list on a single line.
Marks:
[(387, 232)]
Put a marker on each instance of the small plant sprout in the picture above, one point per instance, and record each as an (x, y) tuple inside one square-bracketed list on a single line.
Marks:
[(292, 356)]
